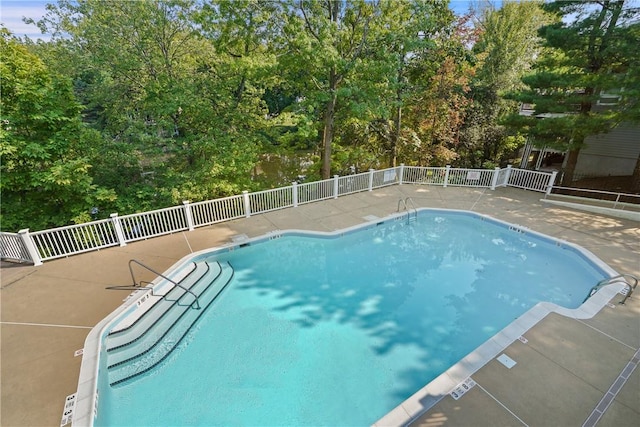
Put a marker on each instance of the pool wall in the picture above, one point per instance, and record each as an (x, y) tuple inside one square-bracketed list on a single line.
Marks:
[(87, 405)]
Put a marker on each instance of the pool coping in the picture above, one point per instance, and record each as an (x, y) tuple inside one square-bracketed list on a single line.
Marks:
[(87, 397)]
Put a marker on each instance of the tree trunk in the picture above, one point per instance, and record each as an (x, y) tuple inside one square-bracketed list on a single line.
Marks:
[(397, 120), (395, 137), (570, 168), (327, 135)]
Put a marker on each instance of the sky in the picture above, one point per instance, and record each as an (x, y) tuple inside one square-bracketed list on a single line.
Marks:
[(12, 12)]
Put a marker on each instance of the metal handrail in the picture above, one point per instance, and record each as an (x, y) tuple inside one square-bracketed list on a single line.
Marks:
[(613, 279), (589, 190), (406, 207), (197, 307)]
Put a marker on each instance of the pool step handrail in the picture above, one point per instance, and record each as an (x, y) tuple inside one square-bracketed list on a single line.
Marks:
[(168, 350), (624, 278), (135, 261), (405, 204), (138, 285), (159, 308)]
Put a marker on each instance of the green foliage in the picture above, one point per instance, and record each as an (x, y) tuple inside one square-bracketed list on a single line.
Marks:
[(43, 144), (505, 51), (180, 108), (158, 101)]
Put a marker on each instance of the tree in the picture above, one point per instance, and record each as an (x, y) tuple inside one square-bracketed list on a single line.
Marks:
[(440, 75), (327, 40), (409, 29), (505, 50), (164, 87), (589, 49), (43, 144)]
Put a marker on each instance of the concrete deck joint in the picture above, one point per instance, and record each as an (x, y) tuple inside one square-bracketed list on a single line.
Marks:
[(606, 334), (502, 404)]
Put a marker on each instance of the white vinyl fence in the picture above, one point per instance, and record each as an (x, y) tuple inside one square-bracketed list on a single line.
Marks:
[(219, 210), (60, 242), (12, 247)]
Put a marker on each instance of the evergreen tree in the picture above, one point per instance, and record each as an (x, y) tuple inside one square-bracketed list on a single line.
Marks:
[(590, 49)]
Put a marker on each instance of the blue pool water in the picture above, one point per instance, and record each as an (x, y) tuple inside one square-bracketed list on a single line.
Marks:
[(338, 331)]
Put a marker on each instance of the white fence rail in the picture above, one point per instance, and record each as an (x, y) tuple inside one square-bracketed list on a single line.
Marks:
[(386, 177), (315, 191), (502, 177), (219, 210), (64, 241), (428, 176), (270, 200), (530, 180), (154, 223), (74, 239), (12, 247), (353, 184)]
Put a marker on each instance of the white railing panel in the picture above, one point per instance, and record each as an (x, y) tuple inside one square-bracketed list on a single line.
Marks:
[(421, 175), (214, 211), (153, 223), (386, 177), (470, 177), (315, 191), (74, 239), (270, 200), (501, 181), (12, 247), (529, 180), (353, 183)]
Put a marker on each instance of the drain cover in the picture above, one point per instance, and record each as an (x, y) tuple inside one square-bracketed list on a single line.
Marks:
[(506, 361)]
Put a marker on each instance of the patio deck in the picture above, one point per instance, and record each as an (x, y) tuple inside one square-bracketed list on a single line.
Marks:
[(563, 371)]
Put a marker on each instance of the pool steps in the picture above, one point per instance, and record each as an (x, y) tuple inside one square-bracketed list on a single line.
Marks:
[(164, 324), (161, 300)]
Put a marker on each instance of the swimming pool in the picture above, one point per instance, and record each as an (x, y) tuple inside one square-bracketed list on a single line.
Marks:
[(328, 330)]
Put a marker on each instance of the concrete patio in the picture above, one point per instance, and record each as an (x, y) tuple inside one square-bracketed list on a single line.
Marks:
[(564, 369)]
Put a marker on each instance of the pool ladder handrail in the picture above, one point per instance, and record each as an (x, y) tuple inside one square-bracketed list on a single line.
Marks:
[(196, 301), (616, 279), (406, 208)]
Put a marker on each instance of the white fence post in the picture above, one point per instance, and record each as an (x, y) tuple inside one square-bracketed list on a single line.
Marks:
[(507, 176), (247, 204), (294, 193), (30, 247), (446, 175), (118, 228), (188, 215), (401, 178), (552, 180), (371, 179), (494, 179), (335, 186)]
